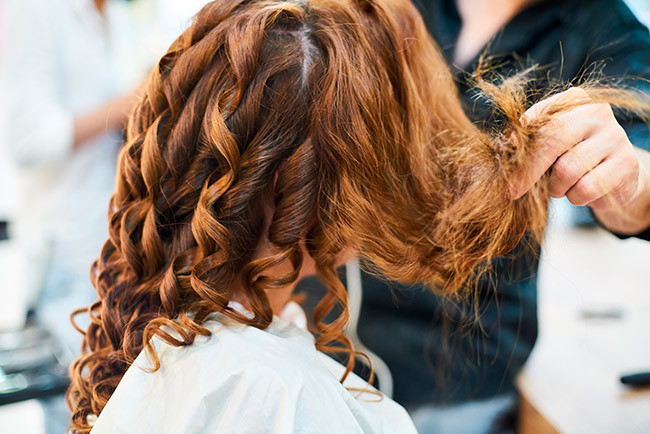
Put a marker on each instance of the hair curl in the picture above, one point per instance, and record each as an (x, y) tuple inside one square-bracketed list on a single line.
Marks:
[(348, 106)]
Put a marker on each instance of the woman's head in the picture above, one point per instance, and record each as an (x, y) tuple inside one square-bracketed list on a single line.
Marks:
[(318, 126)]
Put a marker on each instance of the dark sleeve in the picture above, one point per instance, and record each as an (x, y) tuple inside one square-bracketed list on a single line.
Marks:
[(644, 235), (622, 53)]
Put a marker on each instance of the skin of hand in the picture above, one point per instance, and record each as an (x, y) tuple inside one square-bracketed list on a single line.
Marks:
[(111, 115), (591, 162)]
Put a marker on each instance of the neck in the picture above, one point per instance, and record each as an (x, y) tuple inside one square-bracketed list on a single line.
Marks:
[(278, 298)]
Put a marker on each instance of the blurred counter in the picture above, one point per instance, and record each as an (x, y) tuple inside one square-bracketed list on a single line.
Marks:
[(594, 311)]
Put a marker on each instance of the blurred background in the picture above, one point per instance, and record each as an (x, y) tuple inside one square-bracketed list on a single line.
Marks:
[(71, 68)]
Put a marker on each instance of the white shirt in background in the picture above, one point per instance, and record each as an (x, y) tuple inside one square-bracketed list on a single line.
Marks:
[(57, 63), (61, 59)]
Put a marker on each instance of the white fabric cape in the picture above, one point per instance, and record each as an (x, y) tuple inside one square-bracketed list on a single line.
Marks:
[(246, 380)]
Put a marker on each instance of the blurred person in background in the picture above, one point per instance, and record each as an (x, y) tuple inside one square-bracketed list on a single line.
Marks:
[(69, 70), (454, 364), (64, 103), (6, 175), (64, 106)]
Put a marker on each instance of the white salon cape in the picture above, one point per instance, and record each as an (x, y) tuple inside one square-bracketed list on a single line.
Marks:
[(246, 380)]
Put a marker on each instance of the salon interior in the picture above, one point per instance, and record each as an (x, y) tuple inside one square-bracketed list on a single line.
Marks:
[(562, 348)]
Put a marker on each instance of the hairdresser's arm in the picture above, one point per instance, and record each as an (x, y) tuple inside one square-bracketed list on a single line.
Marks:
[(592, 162), (111, 115)]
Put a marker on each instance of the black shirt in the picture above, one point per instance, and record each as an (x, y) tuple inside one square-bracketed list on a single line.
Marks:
[(437, 350)]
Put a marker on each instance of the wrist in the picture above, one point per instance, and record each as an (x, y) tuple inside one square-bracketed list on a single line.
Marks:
[(642, 196), (633, 216)]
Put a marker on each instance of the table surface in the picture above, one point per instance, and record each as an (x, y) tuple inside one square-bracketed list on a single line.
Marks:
[(572, 377)]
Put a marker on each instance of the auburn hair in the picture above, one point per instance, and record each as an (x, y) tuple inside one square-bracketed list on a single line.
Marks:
[(348, 108)]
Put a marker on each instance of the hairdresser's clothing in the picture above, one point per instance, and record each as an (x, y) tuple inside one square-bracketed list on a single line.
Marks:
[(645, 235), (436, 351), (245, 380), (569, 40)]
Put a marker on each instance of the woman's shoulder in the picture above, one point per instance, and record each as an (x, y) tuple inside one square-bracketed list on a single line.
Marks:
[(280, 353), (237, 375)]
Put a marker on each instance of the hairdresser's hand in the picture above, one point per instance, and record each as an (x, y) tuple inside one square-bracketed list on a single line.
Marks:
[(591, 162)]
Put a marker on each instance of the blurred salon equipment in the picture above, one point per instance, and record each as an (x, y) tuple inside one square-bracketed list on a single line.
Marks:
[(594, 311), (33, 364)]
